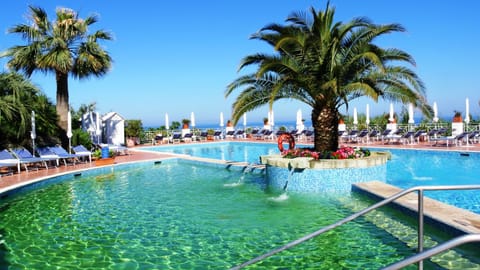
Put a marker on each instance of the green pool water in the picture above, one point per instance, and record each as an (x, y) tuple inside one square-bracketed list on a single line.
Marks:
[(178, 215)]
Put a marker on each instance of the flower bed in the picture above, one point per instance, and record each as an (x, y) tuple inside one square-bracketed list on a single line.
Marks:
[(344, 152)]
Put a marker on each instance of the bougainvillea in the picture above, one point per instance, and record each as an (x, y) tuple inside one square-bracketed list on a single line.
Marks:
[(344, 152)]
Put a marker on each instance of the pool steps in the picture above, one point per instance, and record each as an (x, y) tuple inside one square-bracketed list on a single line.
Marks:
[(393, 197), (407, 234), (453, 220)]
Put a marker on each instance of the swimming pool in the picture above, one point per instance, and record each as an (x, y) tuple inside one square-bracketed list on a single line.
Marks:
[(184, 214), (180, 215), (407, 168)]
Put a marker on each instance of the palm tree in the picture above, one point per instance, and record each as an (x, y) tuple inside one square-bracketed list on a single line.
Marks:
[(326, 65), (18, 98), (62, 47)]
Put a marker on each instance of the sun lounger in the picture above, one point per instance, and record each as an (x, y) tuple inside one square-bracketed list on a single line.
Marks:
[(457, 140), (7, 160), (25, 157), (373, 135), (63, 154), (187, 137), (239, 134), (360, 136), (393, 137), (217, 135), (82, 151), (203, 136), (230, 134), (176, 138)]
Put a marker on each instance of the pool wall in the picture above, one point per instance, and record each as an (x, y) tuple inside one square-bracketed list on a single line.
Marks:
[(304, 174), (323, 180)]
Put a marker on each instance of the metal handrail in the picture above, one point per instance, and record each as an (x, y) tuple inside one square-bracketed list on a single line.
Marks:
[(474, 237), (392, 198)]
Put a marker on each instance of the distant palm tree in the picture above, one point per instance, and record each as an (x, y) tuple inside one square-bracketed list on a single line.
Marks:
[(62, 47), (326, 65)]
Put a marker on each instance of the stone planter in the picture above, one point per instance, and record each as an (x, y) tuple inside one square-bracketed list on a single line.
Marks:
[(104, 161), (324, 176)]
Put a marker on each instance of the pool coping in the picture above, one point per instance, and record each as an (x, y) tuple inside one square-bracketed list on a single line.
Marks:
[(451, 219)]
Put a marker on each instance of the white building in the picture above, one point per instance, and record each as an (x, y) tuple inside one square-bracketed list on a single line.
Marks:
[(113, 128), (91, 123)]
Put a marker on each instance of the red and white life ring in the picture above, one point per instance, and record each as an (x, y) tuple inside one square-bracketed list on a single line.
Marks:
[(286, 137)]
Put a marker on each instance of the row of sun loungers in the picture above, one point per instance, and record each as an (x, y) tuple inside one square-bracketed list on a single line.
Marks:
[(21, 157), (263, 134), (438, 137)]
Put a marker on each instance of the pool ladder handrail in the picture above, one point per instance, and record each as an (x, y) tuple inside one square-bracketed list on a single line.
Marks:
[(390, 199)]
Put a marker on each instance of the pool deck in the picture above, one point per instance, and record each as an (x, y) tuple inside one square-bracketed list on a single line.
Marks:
[(450, 218), (454, 217)]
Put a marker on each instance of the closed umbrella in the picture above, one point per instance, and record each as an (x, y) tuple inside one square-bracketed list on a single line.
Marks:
[(69, 131), (33, 133), (244, 120), (167, 125), (467, 111), (299, 118), (221, 119), (271, 119), (367, 112), (467, 115), (98, 130), (192, 119), (410, 114), (435, 112), (355, 116), (391, 113)]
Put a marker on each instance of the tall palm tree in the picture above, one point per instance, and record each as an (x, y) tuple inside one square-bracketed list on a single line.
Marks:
[(63, 47), (326, 65)]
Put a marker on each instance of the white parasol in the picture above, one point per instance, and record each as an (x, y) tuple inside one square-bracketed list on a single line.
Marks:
[(244, 120), (98, 129), (33, 133), (467, 111), (69, 130), (367, 112), (221, 119), (299, 118), (391, 113), (355, 116), (410, 114), (271, 119), (167, 125), (192, 119), (435, 112)]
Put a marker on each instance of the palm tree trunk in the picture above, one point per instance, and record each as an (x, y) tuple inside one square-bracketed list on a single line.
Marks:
[(325, 126), (62, 105)]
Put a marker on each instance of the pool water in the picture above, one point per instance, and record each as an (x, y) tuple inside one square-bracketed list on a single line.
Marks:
[(178, 215), (407, 168), (230, 151)]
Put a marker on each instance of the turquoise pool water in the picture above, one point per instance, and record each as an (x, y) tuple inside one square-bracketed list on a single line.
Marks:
[(188, 215), (408, 168), (181, 215)]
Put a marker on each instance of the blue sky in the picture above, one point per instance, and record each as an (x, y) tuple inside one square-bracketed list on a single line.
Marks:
[(176, 57)]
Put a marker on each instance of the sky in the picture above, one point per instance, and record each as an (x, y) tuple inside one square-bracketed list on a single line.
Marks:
[(177, 57)]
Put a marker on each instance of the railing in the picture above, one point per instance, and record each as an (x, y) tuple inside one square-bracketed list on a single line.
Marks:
[(435, 250), (392, 198)]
